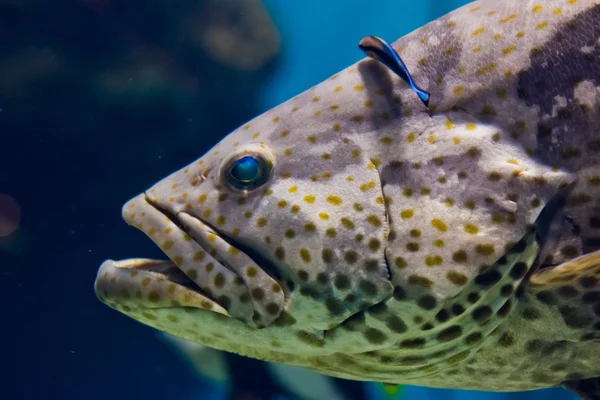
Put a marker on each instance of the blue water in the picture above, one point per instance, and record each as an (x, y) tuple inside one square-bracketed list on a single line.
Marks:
[(98, 100)]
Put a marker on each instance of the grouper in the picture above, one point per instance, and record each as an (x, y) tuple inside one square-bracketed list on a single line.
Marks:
[(363, 232)]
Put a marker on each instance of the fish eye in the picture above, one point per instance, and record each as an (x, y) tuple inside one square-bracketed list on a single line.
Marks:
[(247, 172)]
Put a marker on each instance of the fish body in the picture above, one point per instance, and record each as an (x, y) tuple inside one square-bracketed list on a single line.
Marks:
[(371, 238)]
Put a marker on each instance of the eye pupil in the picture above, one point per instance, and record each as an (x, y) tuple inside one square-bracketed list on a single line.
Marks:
[(245, 170)]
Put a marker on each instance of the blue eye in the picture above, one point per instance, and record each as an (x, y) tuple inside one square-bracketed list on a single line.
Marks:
[(246, 173), (245, 170)]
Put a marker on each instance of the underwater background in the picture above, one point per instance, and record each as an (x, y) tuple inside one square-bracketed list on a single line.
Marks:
[(98, 100)]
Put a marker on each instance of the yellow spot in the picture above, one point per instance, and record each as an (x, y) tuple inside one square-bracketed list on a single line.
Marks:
[(317, 113), (262, 221), (477, 49), (168, 230), (410, 137), (456, 140), (359, 87), (293, 189), (431, 139), (432, 261), (478, 31), (438, 243), (386, 140), (276, 119), (509, 18), (407, 214), (407, 192), (520, 34), (311, 139), (358, 119), (324, 216), (457, 90), (294, 109), (315, 99), (174, 186), (167, 245), (439, 225), (474, 9), (485, 69), (557, 11), (233, 251), (541, 25), (571, 1), (334, 107), (497, 36), (537, 8), (471, 229), (335, 200), (471, 126), (507, 50), (309, 199), (367, 186), (355, 153), (285, 133), (288, 152), (255, 135), (422, 61), (512, 161), (281, 203), (337, 88)]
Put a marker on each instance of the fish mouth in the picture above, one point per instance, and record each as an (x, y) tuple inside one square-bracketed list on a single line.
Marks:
[(204, 270)]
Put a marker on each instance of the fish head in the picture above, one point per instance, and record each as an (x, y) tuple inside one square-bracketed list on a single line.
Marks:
[(283, 220)]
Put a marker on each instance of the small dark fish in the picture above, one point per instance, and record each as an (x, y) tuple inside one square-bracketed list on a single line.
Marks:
[(381, 51)]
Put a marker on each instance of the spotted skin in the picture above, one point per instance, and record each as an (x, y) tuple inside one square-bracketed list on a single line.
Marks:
[(394, 243)]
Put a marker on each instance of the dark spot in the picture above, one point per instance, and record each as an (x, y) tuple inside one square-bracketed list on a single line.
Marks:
[(334, 306), (450, 333), (588, 282), (591, 297), (427, 302), (518, 271), (310, 291), (378, 310), (506, 340), (567, 291), (280, 253), (368, 287), (309, 338), (488, 278), (442, 316), (354, 323), (412, 343), (396, 324), (546, 297), (219, 280), (457, 309), (224, 302), (285, 319), (473, 297), (399, 293), (351, 256), (573, 318), (258, 294), (530, 313), (427, 327), (371, 265), (506, 290), (374, 336), (481, 314), (505, 309), (302, 275), (272, 308), (473, 338), (341, 282), (322, 278), (327, 255)]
